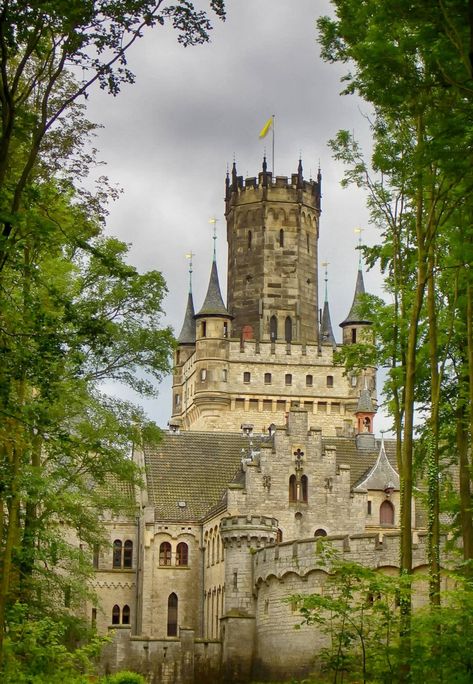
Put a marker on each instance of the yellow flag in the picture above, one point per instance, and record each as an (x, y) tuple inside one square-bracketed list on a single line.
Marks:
[(266, 128)]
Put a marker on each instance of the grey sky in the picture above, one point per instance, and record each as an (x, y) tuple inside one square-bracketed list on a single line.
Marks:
[(168, 138)]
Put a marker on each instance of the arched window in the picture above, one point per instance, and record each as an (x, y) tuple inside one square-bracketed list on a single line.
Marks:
[(288, 329), (288, 379), (126, 615), (281, 238), (304, 489), (250, 238), (320, 533), (117, 553), (292, 489), (172, 615), (213, 550), (308, 242), (165, 554), (329, 380), (128, 554), (182, 554), (279, 536), (116, 615), (267, 378), (386, 513), (273, 328), (309, 380)]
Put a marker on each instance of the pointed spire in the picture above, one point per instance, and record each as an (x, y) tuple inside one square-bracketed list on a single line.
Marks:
[(187, 334), (365, 403), (227, 184), (353, 315), (234, 177), (326, 331), (300, 179), (265, 172), (213, 304)]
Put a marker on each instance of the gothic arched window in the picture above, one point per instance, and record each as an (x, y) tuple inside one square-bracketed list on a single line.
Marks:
[(172, 615), (320, 533), (128, 554), (386, 513), (292, 489), (273, 328), (117, 553), (279, 536), (304, 489), (288, 329), (116, 615), (182, 554), (165, 554), (126, 615)]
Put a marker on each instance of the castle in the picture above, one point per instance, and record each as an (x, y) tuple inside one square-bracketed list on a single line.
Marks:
[(270, 446)]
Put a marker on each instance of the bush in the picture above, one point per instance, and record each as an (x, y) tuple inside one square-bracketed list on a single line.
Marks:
[(124, 678)]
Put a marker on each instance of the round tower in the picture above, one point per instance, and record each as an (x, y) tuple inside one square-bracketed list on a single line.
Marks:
[(240, 536), (213, 331), (272, 233)]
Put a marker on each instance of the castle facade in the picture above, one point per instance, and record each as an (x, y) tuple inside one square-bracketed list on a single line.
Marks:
[(270, 447)]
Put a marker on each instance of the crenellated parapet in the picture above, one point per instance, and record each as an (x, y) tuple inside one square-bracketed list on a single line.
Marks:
[(252, 531), (302, 557)]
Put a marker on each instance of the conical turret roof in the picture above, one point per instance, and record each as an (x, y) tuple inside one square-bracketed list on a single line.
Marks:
[(213, 304), (354, 316), (326, 332), (187, 334), (365, 403)]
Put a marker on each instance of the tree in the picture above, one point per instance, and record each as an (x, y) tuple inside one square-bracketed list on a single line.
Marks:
[(421, 200)]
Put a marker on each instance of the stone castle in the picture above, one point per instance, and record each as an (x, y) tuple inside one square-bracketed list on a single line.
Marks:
[(270, 447)]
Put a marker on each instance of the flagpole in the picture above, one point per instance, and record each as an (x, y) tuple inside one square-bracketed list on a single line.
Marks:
[(272, 160)]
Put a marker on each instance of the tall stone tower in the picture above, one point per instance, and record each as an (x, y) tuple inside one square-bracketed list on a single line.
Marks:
[(250, 361), (272, 233)]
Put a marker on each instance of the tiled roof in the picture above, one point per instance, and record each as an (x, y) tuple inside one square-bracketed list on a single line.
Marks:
[(354, 315), (195, 468), (359, 460)]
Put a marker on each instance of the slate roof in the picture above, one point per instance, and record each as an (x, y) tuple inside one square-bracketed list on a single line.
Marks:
[(326, 332), (365, 403), (187, 334), (213, 304), (354, 316), (195, 468)]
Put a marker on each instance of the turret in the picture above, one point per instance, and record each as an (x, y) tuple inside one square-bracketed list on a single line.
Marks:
[(213, 330), (185, 346), (365, 413), (355, 324), (326, 333), (272, 232)]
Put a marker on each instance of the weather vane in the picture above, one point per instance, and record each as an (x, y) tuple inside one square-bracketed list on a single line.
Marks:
[(214, 220), (189, 256), (359, 231), (325, 264)]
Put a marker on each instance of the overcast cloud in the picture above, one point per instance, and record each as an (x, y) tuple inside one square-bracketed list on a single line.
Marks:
[(167, 141)]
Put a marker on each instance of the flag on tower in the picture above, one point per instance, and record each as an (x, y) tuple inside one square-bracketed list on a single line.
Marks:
[(266, 128)]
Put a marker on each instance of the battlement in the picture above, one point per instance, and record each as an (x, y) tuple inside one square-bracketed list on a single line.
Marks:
[(280, 188), (261, 528), (373, 550)]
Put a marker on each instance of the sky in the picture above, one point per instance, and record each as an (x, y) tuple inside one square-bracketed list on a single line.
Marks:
[(168, 139)]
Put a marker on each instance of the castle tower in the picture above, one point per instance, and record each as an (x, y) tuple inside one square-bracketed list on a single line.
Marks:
[(272, 233), (241, 536)]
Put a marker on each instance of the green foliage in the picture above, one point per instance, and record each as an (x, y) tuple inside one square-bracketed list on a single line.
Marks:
[(123, 678), (358, 612), (36, 651)]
